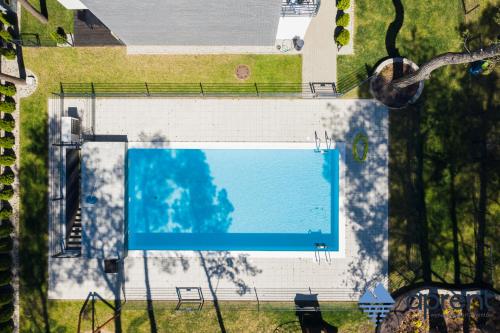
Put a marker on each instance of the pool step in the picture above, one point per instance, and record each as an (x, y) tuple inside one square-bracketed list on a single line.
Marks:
[(74, 240)]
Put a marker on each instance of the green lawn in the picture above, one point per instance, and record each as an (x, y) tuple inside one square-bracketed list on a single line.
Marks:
[(432, 22), (58, 17), (55, 65), (237, 317)]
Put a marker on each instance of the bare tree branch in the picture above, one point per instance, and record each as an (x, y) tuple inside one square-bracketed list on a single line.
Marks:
[(450, 58)]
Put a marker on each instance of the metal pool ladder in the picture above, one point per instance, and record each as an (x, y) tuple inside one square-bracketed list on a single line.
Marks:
[(322, 247)]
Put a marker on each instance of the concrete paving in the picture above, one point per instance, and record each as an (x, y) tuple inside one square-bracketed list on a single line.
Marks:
[(232, 275)]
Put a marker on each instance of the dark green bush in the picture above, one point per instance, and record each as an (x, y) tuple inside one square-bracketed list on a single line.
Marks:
[(7, 177), (7, 141), (6, 193), (8, 89), (6, 36), (6, 245), (8, 53), (5, 212), (6, 228), (343, 20), (5, 262), (5, 20), (5, 278), (7, 124), (7, 106), (343, 4), (342, 38), (59, 36), (7, 159), (7, 327), (6, 298), (6, 313)]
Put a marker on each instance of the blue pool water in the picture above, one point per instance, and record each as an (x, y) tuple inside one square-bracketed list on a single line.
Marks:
[(232, 199)]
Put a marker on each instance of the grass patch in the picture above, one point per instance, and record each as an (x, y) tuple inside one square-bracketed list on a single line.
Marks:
[(237, 317), (58, 17), (434, 22), (55, 65)]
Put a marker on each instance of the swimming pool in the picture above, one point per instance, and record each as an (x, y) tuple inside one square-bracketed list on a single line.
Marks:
[(232, 199)]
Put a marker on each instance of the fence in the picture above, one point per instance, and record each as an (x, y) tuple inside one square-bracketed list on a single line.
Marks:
[(199, 89)]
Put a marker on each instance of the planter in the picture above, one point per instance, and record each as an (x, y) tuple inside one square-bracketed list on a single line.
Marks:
[(385, 73)]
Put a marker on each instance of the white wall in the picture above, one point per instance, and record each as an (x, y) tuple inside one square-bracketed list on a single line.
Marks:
[(72, 4), (290, 27)]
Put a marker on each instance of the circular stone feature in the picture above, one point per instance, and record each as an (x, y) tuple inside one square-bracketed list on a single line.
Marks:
[(242, 72)]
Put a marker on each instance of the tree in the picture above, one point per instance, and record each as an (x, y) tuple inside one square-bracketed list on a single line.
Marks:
[(449, 58)]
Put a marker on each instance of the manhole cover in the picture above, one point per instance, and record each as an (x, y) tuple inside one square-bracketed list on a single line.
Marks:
[(242, 72)]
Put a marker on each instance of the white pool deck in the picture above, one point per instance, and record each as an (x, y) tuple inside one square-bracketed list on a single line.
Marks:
[(119, 123)]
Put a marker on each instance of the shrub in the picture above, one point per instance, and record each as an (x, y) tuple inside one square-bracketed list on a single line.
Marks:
[(342, 37), (7, 124), (5, 278), (6, 36), (7, 327), (6, 228), (6, 193), (343, 4), (7, 141), (6, 313), (6, 245), (343, 20), (7, 159), (7, 106), (5, 212), (8, 53), (8, 89), (59, 36), (4, 19), (7, 178), (6, 297), (5, 262)]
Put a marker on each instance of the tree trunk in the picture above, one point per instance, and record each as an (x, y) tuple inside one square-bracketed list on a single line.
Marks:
[(450, 58), (32, 10), (13, 79), (454, 224)]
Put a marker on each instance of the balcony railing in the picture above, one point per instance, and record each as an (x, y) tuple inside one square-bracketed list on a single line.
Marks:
[(299, 7)]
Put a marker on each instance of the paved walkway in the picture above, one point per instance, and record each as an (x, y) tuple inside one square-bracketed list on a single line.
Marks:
[(319, 56)]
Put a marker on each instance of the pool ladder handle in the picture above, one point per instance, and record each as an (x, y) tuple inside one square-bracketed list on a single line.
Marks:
[(317, 254), (317, 140)]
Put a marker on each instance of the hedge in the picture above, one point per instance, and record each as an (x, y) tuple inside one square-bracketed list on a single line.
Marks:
[(6, 298), (7, 159), (8, 89), (7, 124), (6, 36), (7, 327), (7, 141), (6, 313), (343, 4), (5, 262), (342, 38), (7, 177), (6, 245), (4, 19), (6, 193), (8, 53), (5, 278), (6, 228), (343, 20), (5, 212), (7, 106)]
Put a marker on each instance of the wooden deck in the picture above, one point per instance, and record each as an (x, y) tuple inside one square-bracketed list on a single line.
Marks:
[(90, 31)]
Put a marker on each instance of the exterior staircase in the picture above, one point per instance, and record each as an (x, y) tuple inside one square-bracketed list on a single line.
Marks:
[(74, 238)]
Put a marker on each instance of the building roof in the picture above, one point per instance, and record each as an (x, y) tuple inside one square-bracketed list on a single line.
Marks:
[(190, 22)]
